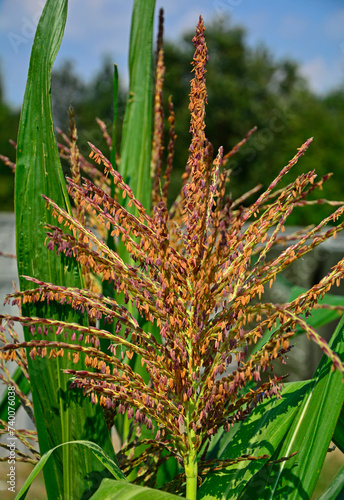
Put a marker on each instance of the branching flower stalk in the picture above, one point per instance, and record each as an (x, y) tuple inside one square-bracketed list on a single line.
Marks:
[(28, 438), (191, 276)]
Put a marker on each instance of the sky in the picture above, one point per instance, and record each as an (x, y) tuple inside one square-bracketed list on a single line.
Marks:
[(310, 32)]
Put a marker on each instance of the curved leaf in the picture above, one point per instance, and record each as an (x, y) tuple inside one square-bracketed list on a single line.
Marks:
[(61, 415), (136, 154), (336, 488), (105, 460), (309, 435)]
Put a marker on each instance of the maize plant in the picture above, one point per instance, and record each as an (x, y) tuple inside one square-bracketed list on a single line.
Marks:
[(185, 348)]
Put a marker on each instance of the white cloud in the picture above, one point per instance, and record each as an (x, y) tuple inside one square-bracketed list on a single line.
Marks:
[(321, 74)]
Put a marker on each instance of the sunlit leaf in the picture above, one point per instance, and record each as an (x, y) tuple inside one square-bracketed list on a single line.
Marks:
[(309, 435), (103, 458), (120, 490), (135, 154), (338, 436), (259, 435), (60, 415), (336, 487)]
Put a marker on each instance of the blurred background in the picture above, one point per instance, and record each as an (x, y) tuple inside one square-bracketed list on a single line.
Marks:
[(276, 65), (279, 66)]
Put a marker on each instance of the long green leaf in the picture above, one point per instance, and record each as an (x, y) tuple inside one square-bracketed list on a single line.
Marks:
[(137, 126), (336, 489), (103, 458), (259, 435), (120, 490), (135, 154), (61, 415), (338, 436), (309, 435)]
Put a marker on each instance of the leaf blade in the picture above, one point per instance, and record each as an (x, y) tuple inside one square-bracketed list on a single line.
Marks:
[(309, 435), (338, 436), (96, 450), (135, 155), (260, 434), (59, 414), (336, 487), (120, 490)]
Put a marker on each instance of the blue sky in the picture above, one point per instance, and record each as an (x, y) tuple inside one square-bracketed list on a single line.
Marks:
[(310, 32)]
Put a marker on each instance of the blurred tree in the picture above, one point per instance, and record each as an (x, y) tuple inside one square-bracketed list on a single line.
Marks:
[(246, 87), (90, 101), (67, 88)]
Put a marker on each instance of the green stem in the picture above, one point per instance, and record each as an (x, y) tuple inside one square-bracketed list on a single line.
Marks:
[(191, 475)]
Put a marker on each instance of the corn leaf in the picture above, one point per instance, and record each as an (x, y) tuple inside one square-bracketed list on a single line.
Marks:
[(24, 385), (336, 488), (61, 415), (135, 153), (120, 490), (96, 450), (137, 126), (338, 436), (309, 435)]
